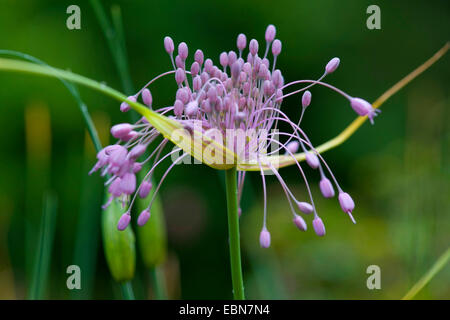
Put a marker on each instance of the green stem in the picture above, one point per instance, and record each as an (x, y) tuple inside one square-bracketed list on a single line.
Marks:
[(127, 290), (438, 265), (159, 286), (233, 230)]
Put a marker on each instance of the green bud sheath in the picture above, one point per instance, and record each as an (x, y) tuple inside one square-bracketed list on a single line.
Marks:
[(119, 246), (152, 236)]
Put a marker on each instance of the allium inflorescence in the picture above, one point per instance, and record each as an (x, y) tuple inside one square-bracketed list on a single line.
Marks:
[(240, 94)]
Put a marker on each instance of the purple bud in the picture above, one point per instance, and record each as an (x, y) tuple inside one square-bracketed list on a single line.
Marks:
[(223, 59), (318, 226), (253, 47), (347, 204), (262, 71), (206, 106), (120, 130), (232, 57), (118, 156), (182, 95), (292, 146), (178, 108), (179, 63), (124, 107), (183, 50), (197, 83), (264, 238), (145, 188), (168, 45), (364, 108), (198, 56), (147, 97), (212, 94), (312, 160), (209, 66), (137, 167), (305, 207), (270, 33), (306, 99), (137, 151), (195, 68), (277, 78), (179, 76), (128, 183), (236, 70), (114, 188), (239, 211), (143, 217), (276, 47), (241, 42), (124, 221), (326, 188), (191, 108), (132, 135), (300, 223), (332, 65)]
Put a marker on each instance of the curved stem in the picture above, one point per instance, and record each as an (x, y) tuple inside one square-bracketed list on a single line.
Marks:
[(234, 237)]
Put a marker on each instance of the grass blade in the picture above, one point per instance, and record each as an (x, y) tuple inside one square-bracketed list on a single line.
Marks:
[(438, 265), (44, 249)]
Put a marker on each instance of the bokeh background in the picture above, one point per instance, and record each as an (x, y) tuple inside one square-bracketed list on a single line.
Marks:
[(397, 170)]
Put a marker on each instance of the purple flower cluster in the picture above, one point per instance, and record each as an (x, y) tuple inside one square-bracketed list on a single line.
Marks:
[(242, 92)]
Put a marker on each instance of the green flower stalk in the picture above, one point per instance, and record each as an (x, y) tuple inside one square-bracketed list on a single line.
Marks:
[(120, 251)]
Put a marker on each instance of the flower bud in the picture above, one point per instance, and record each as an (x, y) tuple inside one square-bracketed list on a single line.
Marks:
[(143, 217), (292, 146), (270, 33), (147, 97), (364, 108), (306, 99), (120, 130), (300, 223), (241, 42), (179, 76), (183, 50), (332, 65), (119, 246), (124, 107), (276, 47), (264, 238), (137, 151), (318, 226), (198, 56), (178, 108), (145, 188), (223, 58), (253, 47), (312, 160), (326, 188), (347, 204), (128, 183), (168, 45), (305, 207), (195, 68)]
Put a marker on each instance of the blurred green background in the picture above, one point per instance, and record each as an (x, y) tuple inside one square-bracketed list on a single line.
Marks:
[(397, 170)]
